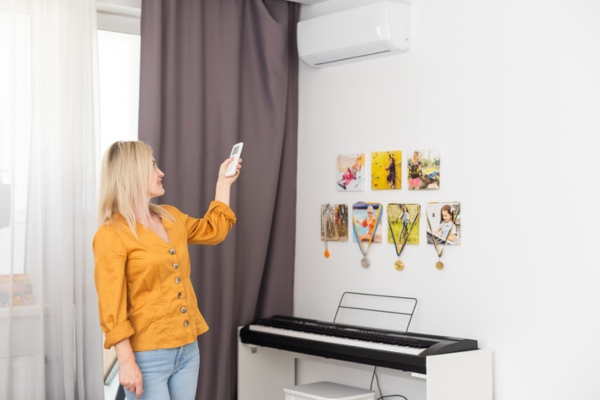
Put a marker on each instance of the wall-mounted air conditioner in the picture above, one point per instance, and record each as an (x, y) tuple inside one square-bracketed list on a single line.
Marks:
[(360, 33)]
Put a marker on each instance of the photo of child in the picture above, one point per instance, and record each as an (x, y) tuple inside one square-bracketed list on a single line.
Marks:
[(366, 222), (386, 170), (423, 168), (403, 223), (350, 172), (444, 223), (334, 222)]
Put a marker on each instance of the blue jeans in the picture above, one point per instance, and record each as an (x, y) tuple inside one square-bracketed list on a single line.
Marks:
[(169, 373)]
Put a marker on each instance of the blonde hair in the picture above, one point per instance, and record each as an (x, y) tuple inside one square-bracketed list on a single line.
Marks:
[(124, 178)]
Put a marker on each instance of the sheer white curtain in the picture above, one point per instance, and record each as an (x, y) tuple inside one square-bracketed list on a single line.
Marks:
[(50, 341)]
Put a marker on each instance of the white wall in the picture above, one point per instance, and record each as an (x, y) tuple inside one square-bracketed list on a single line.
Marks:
[(509, 91)]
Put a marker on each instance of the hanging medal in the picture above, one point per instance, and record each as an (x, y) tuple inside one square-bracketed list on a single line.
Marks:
[(447, 231), (399, 219), (334, 224), (326, 254), (365, 226), (326, 226)]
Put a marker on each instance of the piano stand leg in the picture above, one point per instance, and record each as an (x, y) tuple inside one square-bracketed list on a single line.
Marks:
[(464, 375), (263, 372)]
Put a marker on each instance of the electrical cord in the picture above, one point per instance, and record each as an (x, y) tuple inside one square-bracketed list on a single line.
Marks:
[(376, 379)]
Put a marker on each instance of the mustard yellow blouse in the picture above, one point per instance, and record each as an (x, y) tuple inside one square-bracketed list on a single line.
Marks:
[(144, 288)]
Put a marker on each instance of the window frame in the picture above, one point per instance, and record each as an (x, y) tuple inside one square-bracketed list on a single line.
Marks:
[(122, 16)]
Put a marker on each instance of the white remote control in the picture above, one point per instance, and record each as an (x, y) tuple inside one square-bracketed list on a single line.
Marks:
[(236, 151)]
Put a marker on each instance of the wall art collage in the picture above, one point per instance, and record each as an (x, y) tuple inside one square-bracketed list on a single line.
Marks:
[(422, 170), (364, 222)]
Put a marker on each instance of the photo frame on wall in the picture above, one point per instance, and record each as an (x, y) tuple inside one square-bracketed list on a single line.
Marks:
[(443, 223), (423, 169), (334, 222), (366, 221), (386, 170), (350, 172), (366, 217), (403, 228), (443, 227), (403, 223)]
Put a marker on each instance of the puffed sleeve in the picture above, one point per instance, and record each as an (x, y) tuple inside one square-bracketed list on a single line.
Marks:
[(210, 229), (110, 257)]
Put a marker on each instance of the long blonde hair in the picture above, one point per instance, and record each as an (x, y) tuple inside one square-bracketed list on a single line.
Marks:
[(124, 181)]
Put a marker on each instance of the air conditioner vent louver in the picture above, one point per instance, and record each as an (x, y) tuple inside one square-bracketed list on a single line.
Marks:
[(351, 58)]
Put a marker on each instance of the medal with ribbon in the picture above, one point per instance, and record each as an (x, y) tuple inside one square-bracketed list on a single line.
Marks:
[(364, 230), (398, 214), (446, 232), (334, 224)]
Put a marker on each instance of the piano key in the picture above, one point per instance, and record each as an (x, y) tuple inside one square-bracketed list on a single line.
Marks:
[(405, 351), (337, 340)]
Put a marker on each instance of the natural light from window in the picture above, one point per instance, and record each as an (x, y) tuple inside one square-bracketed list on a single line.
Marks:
[(15, 120), (119, 59)]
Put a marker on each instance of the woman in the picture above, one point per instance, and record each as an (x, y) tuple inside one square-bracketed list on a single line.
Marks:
[(147, 305)]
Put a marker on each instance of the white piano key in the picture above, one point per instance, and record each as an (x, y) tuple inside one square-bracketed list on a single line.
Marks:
[(337, 340)]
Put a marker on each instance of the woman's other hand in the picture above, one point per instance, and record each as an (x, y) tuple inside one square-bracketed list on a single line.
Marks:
[(130, 377)]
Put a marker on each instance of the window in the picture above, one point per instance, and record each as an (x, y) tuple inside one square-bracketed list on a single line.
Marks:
[(15, 117), (119, 66), (119, 61)]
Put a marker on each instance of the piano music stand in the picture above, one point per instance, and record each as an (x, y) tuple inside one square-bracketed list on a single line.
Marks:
[(365, 309)]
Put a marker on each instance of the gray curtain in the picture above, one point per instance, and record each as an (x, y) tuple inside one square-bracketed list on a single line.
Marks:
[(216, 72)]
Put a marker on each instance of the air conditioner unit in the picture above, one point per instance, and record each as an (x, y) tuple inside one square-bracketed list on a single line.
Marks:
[(360, 33)]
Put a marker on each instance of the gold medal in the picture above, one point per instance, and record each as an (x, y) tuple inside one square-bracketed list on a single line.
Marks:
[(434, 238), (365, 262), (400, 242)]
